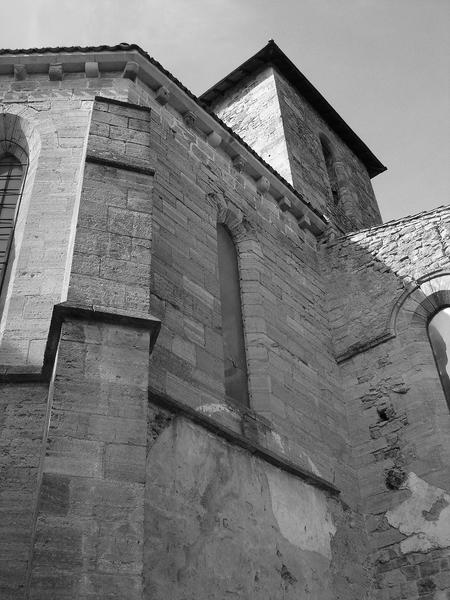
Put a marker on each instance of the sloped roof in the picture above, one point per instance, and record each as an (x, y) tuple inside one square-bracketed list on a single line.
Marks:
[(271, 54)]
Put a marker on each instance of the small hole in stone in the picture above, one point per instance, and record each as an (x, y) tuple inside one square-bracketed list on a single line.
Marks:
[(394, 479), (383, 414)]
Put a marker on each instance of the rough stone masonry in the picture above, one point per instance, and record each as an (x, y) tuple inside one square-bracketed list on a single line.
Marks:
[(125, 469)]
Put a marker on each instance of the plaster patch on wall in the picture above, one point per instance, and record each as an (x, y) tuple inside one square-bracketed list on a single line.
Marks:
[(210, 409), (301, 513), (424, 517), (313, 467), (277, 439), (300, 455), (310, 463)]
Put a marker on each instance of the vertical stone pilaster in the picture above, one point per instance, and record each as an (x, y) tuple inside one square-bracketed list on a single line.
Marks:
[(89, 526)]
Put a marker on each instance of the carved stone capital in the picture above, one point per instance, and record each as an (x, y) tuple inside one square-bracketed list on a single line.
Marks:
[(217, 201), (55, 72), (162, 95)]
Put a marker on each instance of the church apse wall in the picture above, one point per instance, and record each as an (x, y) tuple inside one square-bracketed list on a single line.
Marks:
[(144, 256), (131, 467)]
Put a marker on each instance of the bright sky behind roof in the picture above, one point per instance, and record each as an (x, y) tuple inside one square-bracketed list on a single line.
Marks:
[(382, 64)]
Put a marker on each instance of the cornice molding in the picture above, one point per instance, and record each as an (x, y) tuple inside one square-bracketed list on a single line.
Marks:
[(132, 63)]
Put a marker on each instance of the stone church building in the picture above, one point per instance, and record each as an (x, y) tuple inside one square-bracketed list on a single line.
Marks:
[(219, 380)]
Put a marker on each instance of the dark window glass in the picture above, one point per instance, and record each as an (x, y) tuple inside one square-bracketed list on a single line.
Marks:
[(236, 387), (439, 334), (11, 179), (331, 171)]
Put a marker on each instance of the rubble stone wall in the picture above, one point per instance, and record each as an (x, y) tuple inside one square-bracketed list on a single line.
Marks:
[(385, 284)]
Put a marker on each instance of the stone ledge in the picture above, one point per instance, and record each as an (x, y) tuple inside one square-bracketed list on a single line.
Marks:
[(63, 312), (119, 164), (107, 100), (179, 409), (361, 347)]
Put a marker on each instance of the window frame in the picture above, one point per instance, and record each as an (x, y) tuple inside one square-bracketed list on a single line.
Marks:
[(329, 159), (242, 396), (5, 263), (444, 384)]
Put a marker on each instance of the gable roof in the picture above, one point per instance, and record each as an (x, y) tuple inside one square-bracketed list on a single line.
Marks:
[(271, 54)]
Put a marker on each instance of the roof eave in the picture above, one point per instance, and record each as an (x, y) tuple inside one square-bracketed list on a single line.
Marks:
[(155, 76)]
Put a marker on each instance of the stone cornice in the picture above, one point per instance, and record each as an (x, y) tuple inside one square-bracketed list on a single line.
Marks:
[(133, 63)]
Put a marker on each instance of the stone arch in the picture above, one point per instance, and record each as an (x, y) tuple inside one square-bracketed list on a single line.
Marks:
[(19, 137), (420, 302), (17, 128), (410, 318)]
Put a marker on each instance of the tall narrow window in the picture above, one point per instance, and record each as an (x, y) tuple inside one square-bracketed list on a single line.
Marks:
[(236, 387), (331, 171), (439, 334), (11, 180)]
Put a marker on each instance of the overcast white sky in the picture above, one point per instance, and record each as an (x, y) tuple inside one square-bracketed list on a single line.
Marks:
[(382, 64)]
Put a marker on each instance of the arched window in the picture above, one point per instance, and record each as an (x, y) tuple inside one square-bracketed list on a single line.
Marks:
[(439, 334), (12, 174), (236, 385), (331, 171)]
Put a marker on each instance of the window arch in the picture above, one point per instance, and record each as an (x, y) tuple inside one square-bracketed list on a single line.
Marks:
[(12, 176), (439, 336), (331, 169), (235, 363)]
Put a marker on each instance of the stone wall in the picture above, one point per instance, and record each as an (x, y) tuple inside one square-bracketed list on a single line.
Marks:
[(253, 111), (285, 130), (22, 422), (134, 475), (230, 525), (112, 250), (372, 269), (50, 120), (385, 284), (88, 540), (293, 378), (144, 241)]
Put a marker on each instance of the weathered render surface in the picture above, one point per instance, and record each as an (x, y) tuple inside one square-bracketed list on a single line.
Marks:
[(126, 472)]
